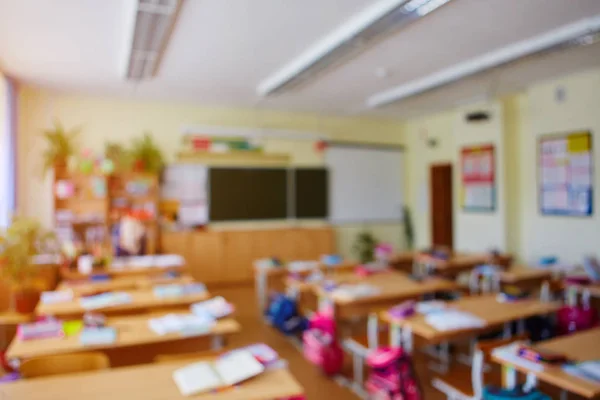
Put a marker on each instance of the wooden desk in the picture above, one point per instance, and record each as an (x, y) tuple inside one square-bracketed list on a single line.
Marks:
[(142, 300), (584, 346), (8, 322), (82, 288), (403, 261), (525, 277), (394, 287), (148, 382), (72, 275), (459, 262), (132, 332), (264, 277), (485, 307)]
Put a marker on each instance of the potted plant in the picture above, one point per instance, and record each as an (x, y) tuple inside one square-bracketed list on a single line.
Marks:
[(146, 156), (120, 157), (24, 239), (364, 247), (61, 146)]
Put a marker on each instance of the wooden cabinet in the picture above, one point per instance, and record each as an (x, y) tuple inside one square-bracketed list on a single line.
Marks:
[(205, 256), (221, 257)]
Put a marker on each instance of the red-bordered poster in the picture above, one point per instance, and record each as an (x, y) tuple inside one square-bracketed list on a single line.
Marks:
[(478, 178)]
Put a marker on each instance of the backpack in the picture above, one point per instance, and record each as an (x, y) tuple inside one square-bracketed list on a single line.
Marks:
[(282, 313), (320, 345), (493, 393), (392, 375)]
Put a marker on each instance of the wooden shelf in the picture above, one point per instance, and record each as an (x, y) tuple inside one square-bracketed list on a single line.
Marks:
[(235, 158)]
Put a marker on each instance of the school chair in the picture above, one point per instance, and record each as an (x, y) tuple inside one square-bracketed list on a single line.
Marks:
[(64, 364), (464, 383)]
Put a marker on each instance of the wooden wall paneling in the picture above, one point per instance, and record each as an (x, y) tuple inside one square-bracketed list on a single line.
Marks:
[(206, 253), (176, 243), (239, 255), (323, 241)]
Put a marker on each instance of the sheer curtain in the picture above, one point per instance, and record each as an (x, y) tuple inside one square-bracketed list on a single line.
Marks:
[(7, 149)]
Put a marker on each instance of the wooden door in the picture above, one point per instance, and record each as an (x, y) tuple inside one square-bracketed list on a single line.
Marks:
[(441, 205)]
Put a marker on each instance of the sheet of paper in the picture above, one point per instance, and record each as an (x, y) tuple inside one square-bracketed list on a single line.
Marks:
[(197, 378), (238, 366)]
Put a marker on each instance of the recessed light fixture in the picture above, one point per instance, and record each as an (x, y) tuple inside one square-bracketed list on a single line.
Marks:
[(153, 22), (372, 24)]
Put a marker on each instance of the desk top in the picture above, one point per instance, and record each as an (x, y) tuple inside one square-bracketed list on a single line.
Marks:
[(148, 382), (131, 331), (14, 318), (82, 288), (345, 265), (521, 274), (392, 286), (71, 275), (583, 346), (486, 307), (462, 261), (142, 299)]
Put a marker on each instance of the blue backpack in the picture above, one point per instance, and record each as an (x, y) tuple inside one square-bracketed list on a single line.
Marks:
[(283, 314)]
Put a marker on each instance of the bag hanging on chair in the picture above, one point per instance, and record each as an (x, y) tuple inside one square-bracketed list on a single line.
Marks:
[(392, 375)]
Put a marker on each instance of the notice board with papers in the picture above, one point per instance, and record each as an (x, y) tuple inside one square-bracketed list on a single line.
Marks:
[(478, 176), (566, 174)]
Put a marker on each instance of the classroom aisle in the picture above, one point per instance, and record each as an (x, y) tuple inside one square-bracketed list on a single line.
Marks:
[(254, 330)]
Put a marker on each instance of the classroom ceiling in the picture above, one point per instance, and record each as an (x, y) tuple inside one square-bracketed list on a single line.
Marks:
[(221, 49)]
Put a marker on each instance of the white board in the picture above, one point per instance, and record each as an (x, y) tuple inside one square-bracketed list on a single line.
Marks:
[(365, 184), (188, 184)]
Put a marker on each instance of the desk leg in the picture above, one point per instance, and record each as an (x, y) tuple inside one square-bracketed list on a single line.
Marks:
[(261, 290), (530, 383), (373, 331), (509, 377), (216, 342), (358, 367), (521, 327), (507, 333), (395, 335), (407, 339)]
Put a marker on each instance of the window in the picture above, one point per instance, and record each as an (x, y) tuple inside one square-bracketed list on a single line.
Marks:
[(7, 149)]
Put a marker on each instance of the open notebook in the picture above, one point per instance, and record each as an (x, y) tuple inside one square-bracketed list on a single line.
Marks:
[(229, 370)]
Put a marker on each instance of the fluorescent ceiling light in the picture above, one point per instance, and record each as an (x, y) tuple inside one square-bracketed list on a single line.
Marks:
[(153, 22), (355, 35), (580, 33)]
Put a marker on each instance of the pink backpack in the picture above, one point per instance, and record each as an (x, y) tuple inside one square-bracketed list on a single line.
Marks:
[(320, 344), (392, 376)]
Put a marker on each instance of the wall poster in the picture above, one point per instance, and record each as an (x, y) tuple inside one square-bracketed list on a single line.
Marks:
[(565, 174), (478, 178)]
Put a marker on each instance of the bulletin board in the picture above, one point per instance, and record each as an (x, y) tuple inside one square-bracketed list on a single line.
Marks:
[(565, 174), (478, 178)]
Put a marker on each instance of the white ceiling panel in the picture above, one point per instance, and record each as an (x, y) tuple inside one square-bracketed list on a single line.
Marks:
[(221, 49)]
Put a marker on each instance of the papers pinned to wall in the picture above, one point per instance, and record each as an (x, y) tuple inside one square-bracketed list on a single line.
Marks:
[(565, 174), (478, 178)]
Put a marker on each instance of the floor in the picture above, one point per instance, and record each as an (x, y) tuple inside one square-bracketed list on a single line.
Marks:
[(317, 386)]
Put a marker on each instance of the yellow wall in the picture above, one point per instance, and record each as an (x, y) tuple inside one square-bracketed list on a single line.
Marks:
[(517, 224), (108, 119), (570, 238), (420, 157)]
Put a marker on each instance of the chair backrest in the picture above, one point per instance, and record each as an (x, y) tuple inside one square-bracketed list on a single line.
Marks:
[(483, 355), (64, 364)]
